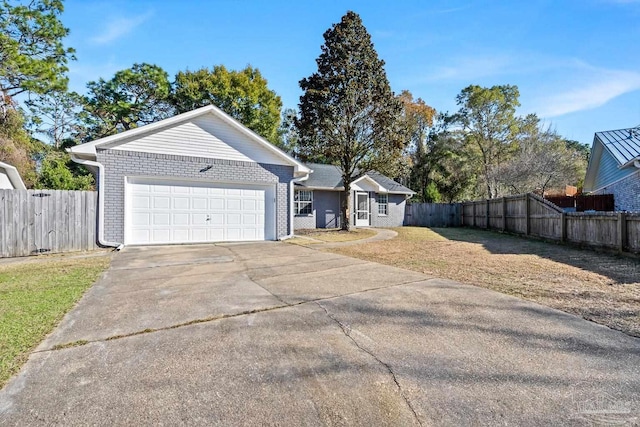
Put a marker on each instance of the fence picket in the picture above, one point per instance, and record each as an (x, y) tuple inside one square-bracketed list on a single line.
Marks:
[(51, 221)]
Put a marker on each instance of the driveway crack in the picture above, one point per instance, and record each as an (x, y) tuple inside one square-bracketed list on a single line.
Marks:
[(346, 330)]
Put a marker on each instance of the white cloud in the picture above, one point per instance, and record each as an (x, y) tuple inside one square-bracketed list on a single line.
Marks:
[(597, 87), (119, 27)]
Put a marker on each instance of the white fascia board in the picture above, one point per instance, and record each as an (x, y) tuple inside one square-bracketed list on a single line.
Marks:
[(89, 149), (594, 163), (374, 183), (14, 176)]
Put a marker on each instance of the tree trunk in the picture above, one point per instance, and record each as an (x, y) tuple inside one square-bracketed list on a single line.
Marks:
[(346, 208)]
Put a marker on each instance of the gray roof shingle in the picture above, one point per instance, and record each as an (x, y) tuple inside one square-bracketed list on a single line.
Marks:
[(329, 177)]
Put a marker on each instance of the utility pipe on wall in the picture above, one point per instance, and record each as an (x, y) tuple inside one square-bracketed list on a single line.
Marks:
[(100, 169)]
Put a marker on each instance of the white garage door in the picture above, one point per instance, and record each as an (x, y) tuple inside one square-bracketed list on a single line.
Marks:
[(176, 212)]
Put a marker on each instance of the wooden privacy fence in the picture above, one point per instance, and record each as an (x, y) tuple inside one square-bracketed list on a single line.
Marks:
[(433, 214), (47, 221), (532, 215)]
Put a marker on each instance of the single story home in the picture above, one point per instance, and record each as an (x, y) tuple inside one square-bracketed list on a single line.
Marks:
[(614, 167), (378, 201), (201, 176), (10, 178)]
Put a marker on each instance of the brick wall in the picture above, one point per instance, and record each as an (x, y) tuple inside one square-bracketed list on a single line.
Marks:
[(120, 164), (626, 193)]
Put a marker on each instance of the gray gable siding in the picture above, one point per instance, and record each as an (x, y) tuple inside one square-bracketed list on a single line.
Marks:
[(120, 164), (609, 171)]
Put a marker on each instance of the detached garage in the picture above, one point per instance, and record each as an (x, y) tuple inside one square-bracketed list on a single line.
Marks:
[(194, 178)]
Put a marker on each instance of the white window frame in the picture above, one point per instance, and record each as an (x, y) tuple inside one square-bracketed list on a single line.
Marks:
[(300, 205), (383, 206)]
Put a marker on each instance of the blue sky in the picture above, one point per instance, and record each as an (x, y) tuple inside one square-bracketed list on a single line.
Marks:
[(576, 63)]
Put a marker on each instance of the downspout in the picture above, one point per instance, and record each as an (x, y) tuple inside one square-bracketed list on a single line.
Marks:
[(636, 163), (291, 206), (100, 168)]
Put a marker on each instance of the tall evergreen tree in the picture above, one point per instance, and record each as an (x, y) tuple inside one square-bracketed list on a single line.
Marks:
[(348, 113), (32, 55)]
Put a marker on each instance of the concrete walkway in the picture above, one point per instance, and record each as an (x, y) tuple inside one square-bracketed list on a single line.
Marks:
[(278, 334), (381, 234)]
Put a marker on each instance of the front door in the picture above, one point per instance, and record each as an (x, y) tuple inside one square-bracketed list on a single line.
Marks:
[(362, 210)]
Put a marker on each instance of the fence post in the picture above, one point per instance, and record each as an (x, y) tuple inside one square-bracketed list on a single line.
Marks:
[(504, 214), (563, 227), (487, 210), (474, 213), (622, 231), (528, 215)]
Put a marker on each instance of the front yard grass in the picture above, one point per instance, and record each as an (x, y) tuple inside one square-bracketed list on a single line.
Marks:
[(336, 235), (600, 287), (34, 296)]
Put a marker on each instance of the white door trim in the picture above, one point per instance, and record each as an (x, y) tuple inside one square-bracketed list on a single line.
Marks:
[(362, 216)]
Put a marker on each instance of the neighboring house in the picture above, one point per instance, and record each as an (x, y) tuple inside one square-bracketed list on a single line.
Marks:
[(197, 177), (10, 178), (377, 200), (614, 167)]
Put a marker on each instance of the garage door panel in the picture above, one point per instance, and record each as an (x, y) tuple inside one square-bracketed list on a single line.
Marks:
[(199, 219), (161, 202), (142, 219), (234, 204), (180, 219), (187, 213), (181, 203), (161, 235), (200, 203), (161, 219), (142, 202)]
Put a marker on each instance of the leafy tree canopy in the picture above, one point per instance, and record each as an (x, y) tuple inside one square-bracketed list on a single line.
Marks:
[(348, 113), (489, 125), (244, 95), (133, 97), (32, 55)]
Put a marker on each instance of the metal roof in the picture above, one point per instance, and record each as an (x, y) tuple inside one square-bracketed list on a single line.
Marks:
[(329, 177), (623, 144)]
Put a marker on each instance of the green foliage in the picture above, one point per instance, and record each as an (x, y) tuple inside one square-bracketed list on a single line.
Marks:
[(133, 97), (489, 125), (542, 160), (431, 193), (244, 95), (32, 55), (348, 113), (17, 148), (57, 173), (288, 132), (57, 116)]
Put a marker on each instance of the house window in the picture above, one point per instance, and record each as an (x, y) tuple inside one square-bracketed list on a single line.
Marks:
[(383, 204), (303, 202)]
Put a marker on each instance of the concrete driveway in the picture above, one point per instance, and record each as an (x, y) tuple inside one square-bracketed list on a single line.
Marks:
[(277, 334)]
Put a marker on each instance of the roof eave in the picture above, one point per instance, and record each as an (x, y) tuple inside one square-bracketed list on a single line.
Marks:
[(89, 148)]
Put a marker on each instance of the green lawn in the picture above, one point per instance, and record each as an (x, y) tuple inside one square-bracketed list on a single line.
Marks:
[(34, 296)]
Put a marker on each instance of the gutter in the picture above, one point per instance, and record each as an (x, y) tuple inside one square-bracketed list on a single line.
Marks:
[(100, 170)]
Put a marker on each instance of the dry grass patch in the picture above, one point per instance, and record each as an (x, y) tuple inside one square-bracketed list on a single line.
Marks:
[(336, 235), (600, 287)]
